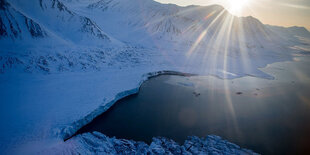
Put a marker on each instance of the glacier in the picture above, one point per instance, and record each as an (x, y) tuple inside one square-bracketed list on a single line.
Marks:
[(64, 62)]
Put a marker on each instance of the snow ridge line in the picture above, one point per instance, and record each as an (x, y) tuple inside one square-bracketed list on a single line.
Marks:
[(69, 131)]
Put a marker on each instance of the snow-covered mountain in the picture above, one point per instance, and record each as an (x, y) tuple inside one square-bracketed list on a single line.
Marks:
[(290, 34), (135, 21), (55, 35), (62, 33), (112, 46), (60, 21), (15, 25), (172, 22), (41, 35)]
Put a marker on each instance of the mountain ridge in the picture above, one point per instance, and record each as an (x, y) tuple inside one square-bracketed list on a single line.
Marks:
[(67, 28), (56, 17)]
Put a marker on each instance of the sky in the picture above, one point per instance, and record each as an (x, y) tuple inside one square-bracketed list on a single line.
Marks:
[(274, 12)]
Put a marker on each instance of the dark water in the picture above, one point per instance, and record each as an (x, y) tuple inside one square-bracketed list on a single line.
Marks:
[(267, 116)]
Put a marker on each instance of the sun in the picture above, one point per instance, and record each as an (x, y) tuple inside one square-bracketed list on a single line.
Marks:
[(236, 6)]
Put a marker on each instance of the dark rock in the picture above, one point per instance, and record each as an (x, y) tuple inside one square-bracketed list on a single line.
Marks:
[(239, 93), (196, 94)]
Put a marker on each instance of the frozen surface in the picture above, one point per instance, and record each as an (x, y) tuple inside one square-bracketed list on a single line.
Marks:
[(64, 62)]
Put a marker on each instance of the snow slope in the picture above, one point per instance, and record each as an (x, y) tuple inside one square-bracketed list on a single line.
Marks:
[(63, 62)]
